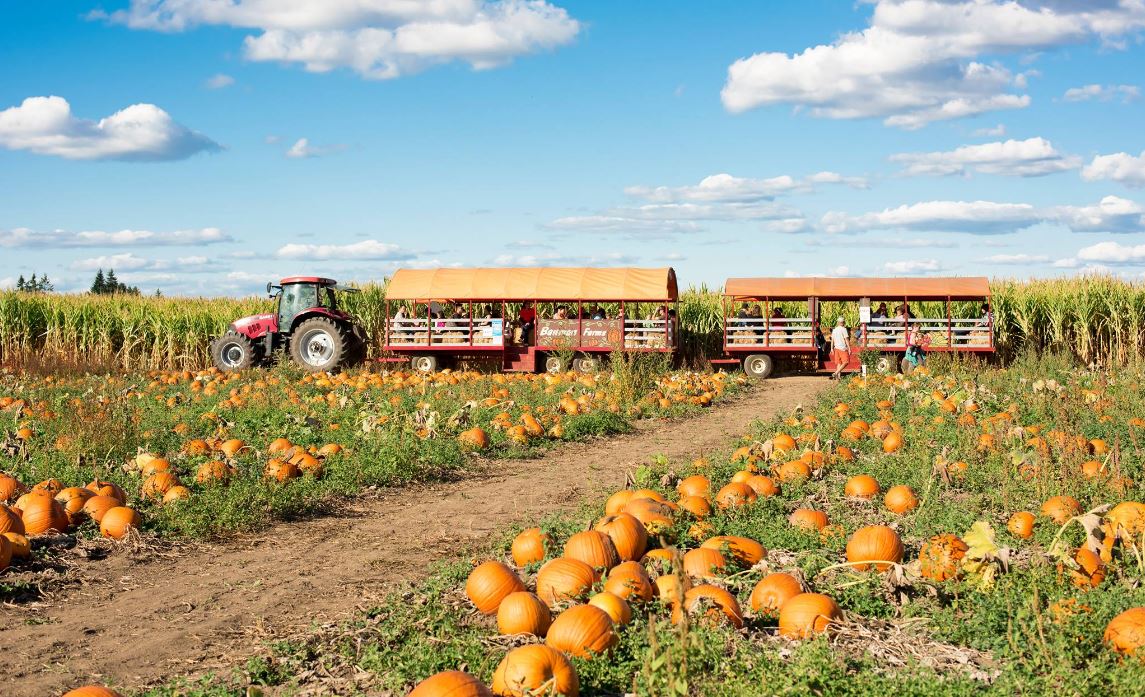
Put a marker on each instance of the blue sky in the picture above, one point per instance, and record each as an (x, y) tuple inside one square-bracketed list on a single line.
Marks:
[(205, 146)]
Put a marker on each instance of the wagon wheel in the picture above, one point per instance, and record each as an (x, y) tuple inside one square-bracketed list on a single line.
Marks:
[(555, 364), (424, 364), (884, 364), (587, 364), (758, 365)]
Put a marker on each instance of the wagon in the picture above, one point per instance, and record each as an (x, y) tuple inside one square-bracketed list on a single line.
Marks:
[(767, 319), (526, 318)]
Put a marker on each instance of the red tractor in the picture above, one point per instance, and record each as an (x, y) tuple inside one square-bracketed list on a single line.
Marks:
[(306, 322)]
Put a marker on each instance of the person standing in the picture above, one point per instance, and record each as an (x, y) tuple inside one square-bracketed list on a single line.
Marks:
[(840, 347)]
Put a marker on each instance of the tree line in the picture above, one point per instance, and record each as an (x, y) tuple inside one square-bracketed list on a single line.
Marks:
[(104, 284)]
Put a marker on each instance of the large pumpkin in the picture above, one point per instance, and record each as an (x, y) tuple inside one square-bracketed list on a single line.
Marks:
[(10, 521), (534, 670), (21, 548), (96, 506), (92, 691), (704, 563), (893, 442), (629, 580), (735, 494), (593, 548), (1127, 517), (1091, 571), (900, 499), (698, 506), (474, 439), (941, 557), (10, 488), (451, 683), (1021, 524), (696, 485), (1126, 632), (808, 519), (874, 543), (564, 579), (42, 513), (627, 534), (655, 516), (616, 607), (742, 550), (862, 486), (522, 612), (807, 614), (712, 605), (770, 594), (115, 522), (489, 584), (6, 551), (582, 630), (618, 501), (530, 546), (1061, 508), (763, 485), (157, 484), (101, 488)]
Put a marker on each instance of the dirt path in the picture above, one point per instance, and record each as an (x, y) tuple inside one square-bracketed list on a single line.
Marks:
[(138, 623)]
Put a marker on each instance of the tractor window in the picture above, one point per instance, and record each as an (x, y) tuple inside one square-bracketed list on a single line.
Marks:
[(295, 298), (328, 299)]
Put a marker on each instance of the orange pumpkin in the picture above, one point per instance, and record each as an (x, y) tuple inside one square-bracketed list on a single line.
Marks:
[(52, 486), (473, 440), (763, 485), (21, 548), (489, 584), (618, 501), (713, 605), (5, 552), (564, 579), (582, 631), (630, 581), (616, 607), (793, 470), (42, 513), (770, 594), (451, 683), (627, 534), (10, 488), (176, 493), (698, 506), (807, 519), (1021, 524), (214, 471), (155, 486), (806, 615), (704, 563), (1128, 518), (10, 521), (1126, 632), (534, 670), (656, 516), (593, 548), (940, 557), (111, 489), (862, 486), (1091, 572), (521, 612), (742, 550), (1061, 508), (92, 691), (529, 547), (900, 499), (783, 442), (735, 494), (893, 442), (115, 522), (97, 506), (874, 543), (696, 485)]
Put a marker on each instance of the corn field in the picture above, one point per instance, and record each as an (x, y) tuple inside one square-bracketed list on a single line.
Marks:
[(1099, 319)]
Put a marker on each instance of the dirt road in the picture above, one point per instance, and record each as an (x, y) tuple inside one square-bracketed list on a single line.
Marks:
[(135, 624)]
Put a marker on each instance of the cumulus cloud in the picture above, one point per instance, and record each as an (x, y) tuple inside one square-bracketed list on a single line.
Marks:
[(7, 283), (303, 149), (379, 39), (138, 133), (131, 262), (719, 197), (219, 81), (912, 266), (365, 250), (1111, 214), (1103, 93), (24, 237), (925, 60), (1033, 157), (1120, 167), (1016, 259), (990, 132)]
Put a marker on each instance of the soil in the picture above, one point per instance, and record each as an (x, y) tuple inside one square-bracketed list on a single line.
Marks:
[(138, 619)]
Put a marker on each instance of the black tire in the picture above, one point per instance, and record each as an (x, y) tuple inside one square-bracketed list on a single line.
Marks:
[(319, 345), (758, 366), (424, 364), (555, 364), (586, 364), (233, 351)]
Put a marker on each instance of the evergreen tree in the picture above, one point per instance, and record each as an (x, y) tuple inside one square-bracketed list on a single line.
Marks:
[(113, 284), (33, 284), (99, 286), (46, 285), (21, 283)]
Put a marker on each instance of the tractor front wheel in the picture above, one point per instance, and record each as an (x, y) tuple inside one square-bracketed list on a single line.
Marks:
[(318, 345), (232, 351)]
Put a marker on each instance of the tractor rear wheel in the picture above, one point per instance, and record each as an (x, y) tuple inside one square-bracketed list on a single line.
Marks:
[(232, 351), (319, 345)]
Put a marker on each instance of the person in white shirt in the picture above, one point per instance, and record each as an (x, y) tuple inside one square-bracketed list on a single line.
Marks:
[(840, 347)]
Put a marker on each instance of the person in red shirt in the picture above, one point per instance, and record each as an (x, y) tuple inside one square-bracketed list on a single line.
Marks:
[(528, 319)]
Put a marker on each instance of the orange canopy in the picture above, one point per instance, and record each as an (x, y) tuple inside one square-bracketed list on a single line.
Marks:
[(657, 285), (846, 288)]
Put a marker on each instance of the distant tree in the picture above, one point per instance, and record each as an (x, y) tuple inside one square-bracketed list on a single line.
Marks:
[(33, 284), (110, 285), (99, 285), (112, 282), (158, 293), (20, 282), (45, 285)]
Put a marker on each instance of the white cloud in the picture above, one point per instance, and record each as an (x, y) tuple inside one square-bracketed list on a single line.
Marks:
[(990, 132), (7, 283), (131, 262), (1103, 93), (1033, 157), (1113, 253), (139, 133), (838, 271), (726, 188), (912, 266), (1120, 167), (365, 250), (219, 81), (23, 237), (1111, 214), (303, 149), (379, 39), (787, 226), (1016, 259), (922, 60), (621, 223)]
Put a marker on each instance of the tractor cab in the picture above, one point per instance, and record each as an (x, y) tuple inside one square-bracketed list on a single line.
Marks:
[(307, 322)]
